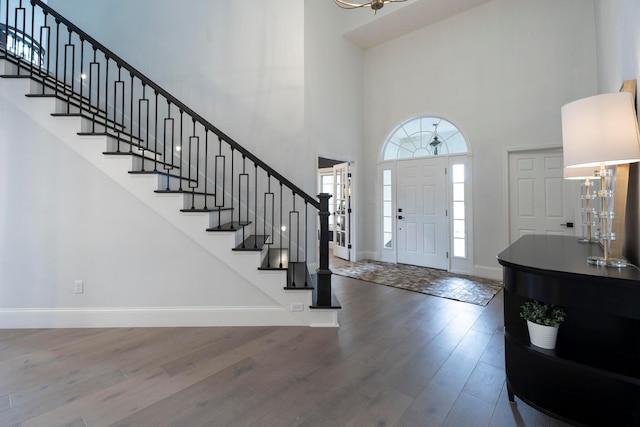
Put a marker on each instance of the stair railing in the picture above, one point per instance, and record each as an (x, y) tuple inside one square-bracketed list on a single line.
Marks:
[(167, 138)]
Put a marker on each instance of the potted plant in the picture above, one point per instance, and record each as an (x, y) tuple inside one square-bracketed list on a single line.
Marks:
[(543, 321)]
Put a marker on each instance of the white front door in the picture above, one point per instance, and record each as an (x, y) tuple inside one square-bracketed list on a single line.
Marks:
[(541, 201), (341, 211), (421, 212)]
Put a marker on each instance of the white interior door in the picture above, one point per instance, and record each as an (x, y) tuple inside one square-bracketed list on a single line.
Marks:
[(341, 211), (541, 201), (421, 216)]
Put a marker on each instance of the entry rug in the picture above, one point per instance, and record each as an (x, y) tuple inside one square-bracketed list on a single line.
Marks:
[(474, 290)]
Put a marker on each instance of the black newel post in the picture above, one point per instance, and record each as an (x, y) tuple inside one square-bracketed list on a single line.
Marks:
[(324, 274)]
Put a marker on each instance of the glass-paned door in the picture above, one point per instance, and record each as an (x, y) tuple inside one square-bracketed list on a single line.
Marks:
[(341, 211)]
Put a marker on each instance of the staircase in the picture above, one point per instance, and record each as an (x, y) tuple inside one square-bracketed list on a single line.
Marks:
[(204, 183)]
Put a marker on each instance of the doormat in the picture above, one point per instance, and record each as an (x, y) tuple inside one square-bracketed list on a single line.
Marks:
[(470, 289)]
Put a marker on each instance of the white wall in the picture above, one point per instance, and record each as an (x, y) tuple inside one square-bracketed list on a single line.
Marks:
[(63, 220), (500, 72)]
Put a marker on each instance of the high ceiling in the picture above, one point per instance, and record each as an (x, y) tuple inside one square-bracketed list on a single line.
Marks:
[(401, 18)]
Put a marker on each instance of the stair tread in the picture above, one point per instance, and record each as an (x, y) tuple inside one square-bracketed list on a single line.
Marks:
[(183, 191), (156, 162), (273, 259), (171, 175), (132, 153), (230, 226), (254, 242), (206, 209), (115, 134), (298, 277), (89, 115)]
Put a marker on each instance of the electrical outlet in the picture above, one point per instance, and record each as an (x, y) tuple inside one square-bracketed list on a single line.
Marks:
[(78, 287), (297, 306)]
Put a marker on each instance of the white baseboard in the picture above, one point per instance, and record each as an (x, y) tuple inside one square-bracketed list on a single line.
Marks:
[(372, 255), (494, 273), (114, 317)]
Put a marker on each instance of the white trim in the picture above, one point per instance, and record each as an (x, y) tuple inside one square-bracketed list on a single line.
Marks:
[(494, 273), (115, 317)]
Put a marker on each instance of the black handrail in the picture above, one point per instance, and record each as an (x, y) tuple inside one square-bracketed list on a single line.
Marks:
[(147, 81)]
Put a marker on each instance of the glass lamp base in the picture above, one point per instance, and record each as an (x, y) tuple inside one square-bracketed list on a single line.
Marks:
[(607, 262), (585, 240)]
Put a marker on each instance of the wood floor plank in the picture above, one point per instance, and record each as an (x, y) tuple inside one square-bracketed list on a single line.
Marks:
[(112, 403), (28, 404), (432, 406), (217, 395), (385, 409), (494, 353), (485, 383), (469, 410), (5, 403)]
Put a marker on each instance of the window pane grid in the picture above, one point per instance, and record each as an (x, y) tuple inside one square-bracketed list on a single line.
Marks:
[(387, 210), (459, 209)]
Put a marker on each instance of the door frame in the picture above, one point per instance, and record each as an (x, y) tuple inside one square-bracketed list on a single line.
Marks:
[(354, 199), (454, 265), (506, 184)]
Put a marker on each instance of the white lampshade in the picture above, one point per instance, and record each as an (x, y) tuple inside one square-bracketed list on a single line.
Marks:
[(601, 129), (581, 173)]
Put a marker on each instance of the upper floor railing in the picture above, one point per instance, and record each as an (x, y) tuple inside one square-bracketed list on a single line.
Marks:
[(20, 45)]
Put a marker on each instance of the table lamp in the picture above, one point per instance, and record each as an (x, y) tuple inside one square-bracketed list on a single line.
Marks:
[(601, 131)]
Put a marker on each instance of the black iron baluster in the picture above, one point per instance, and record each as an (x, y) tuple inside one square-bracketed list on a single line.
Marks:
[(131, 121), (271, 238), (293, 262), (281, 224), (116, 84), (206, 167), (46, 71), (82, 75), (57, 77), (244, 176), (231, 192), (67, 47), (218, 189), (306, 239), (95, 108), (179, 154), (195, 138), (155, 135), (33, 48), (255, 204), (143, 101), (6, 27), (18, 48), (168, 120), (106, 96)]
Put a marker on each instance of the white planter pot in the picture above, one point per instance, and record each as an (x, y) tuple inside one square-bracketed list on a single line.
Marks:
[(542, 336)]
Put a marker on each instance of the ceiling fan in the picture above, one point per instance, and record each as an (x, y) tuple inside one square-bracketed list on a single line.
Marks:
[(375, 5)]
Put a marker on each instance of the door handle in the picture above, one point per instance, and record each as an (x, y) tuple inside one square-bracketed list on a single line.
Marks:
[(399, 216), (568, 225)]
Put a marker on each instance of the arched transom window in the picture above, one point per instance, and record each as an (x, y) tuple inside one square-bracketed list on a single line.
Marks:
[(423, 137)]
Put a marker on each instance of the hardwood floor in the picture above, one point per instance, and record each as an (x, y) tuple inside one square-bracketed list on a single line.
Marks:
[(399, 359)]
